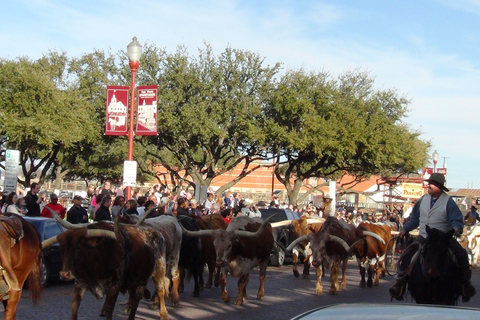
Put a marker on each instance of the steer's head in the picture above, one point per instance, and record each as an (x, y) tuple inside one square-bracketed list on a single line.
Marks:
[(223, 242)]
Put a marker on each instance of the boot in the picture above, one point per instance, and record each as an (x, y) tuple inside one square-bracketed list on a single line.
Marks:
[(468, 290), (397, 290)]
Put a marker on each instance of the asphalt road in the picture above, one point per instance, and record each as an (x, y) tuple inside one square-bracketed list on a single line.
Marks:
[(285, 297)]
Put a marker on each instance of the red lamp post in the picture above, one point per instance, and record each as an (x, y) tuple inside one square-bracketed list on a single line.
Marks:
[(134, 52), (435, 160)]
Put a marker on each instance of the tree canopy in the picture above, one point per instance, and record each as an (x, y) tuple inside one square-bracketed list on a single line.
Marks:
[(215, 112)]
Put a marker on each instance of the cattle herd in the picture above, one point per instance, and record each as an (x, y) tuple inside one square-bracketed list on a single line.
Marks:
[(108, 258)]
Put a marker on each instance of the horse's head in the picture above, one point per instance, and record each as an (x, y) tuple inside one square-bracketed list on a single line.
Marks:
[(435, 254)]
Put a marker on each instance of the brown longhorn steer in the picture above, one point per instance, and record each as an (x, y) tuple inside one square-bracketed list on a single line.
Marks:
[(303, 227), (370, 251), (20, 259), (246, 243), (108, 259), (330, 246)]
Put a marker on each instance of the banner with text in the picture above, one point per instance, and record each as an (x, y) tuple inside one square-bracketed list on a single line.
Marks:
[(412, 190), (116, 112), (146, 111)]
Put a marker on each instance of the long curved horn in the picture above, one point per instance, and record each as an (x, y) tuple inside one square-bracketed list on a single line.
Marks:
[(49, 242), (244, 233), (66, 224), (145, 215), (338, 240), (281, 223), (100, 233), (315, 220), (199, 233), (350, 250), (295, 243), (374, 235)]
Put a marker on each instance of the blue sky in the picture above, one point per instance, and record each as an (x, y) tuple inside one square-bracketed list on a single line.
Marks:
[(429, 51)]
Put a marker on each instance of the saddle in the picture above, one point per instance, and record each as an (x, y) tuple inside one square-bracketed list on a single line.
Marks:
[(13, 225)]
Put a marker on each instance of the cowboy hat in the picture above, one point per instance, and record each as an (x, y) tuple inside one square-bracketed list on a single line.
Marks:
[(438, 179)]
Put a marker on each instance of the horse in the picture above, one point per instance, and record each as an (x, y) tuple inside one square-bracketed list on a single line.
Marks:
[(434, 278), (21, 258)]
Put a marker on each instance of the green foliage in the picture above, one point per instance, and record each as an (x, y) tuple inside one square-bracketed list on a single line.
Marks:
[(323, 127), (215, 112)]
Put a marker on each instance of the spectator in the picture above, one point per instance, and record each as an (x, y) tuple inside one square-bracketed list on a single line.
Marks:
[(131, 207), (249, 210), (228, 200), (215, 208), (32, 200), (210, 201), (118, 204), (182, 209), (55, 206), (227, 215), (98, 201), (10, 202), (141, 205), (21, 206), (193, 210), (103, 212), (149, 204), (107, 191), (77, 214)]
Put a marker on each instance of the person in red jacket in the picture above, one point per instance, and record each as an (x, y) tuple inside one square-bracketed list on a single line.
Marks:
[(55, 206)]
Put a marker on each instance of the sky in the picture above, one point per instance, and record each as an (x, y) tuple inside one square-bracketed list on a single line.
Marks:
[(427, 50)]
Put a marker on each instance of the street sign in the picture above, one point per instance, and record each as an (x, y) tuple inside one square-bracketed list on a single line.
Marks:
[(12, 160), (130, 173)]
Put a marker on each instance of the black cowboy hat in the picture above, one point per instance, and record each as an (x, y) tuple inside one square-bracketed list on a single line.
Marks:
[(438, 179)]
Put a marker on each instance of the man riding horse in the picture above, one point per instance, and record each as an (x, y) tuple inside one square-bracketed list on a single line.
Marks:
[(437, 210)]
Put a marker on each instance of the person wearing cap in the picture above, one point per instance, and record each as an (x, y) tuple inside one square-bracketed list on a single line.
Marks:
[(437, 210), (472, 217), (77, 214), (249, 210), (55, 206)]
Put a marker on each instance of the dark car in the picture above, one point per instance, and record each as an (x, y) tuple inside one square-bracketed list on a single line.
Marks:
[(283, 236), (52, 259)]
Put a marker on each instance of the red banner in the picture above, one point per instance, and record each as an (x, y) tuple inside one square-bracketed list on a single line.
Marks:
[(428, 171), (146, 111), (116, 111)]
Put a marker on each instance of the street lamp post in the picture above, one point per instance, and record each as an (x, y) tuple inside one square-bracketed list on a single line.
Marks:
[(435, 160), (134, 51)]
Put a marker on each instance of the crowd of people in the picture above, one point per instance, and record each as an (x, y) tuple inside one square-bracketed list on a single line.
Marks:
[(106, 202)]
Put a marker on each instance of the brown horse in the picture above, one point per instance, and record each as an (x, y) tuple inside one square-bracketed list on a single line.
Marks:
[(21, 259)]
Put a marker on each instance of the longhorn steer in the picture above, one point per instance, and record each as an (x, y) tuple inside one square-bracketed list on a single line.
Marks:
[(371, 250), (209, 222), (330, 246), (303, 227), (190, 254), (107, 263), (246, 243)]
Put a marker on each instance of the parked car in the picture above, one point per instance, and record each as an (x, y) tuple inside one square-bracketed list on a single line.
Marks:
[(283, 236), (52, 259)]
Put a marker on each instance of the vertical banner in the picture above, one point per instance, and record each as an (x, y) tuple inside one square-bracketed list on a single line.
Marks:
[(146, 111), (12, 160), (116, 112)]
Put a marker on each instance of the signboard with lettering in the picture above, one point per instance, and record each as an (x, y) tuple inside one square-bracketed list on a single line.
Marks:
[(130, 173), (412, 190), (116, 112), (12, 161), (146, 111)]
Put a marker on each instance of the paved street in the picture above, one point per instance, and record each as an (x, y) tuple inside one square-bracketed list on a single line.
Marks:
[(285, 297)]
